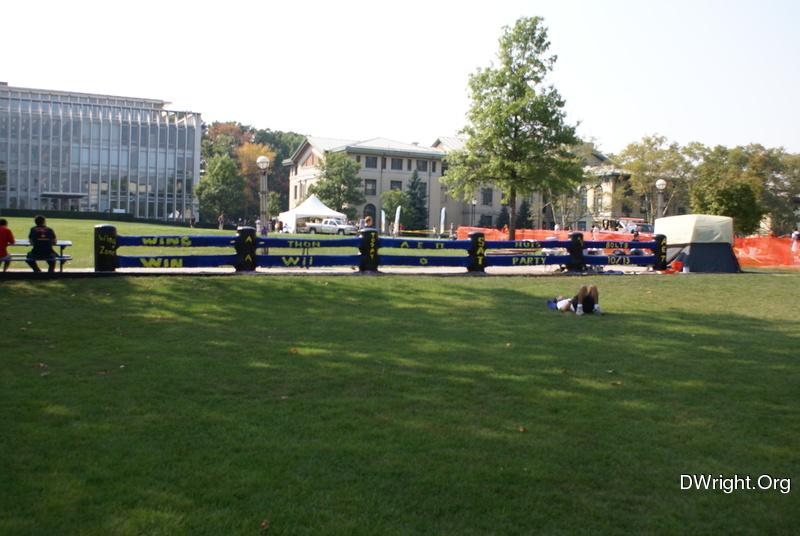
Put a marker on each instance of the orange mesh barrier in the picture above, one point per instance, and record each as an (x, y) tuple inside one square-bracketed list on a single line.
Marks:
[(543, 234), (766, 252), (761, 252)]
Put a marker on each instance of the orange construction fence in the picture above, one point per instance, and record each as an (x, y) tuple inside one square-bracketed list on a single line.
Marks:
[(541, 235), (752, 252), (766, 252)]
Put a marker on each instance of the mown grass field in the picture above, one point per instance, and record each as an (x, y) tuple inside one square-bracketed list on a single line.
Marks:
[(397, 405)]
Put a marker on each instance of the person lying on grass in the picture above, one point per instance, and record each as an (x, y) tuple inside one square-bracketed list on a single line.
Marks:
[(587, 300)]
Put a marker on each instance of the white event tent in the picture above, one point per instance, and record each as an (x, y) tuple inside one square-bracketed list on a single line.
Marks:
[(310, 208), (701, 242)]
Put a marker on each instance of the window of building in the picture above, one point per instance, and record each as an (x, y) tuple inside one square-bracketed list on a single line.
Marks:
[(433, 167), (396, 185), (371, 162), (409, 165), (383, 162), (486, 197), (397, 164), (422, 165), (358, 158), (370, 212), (370, 185)]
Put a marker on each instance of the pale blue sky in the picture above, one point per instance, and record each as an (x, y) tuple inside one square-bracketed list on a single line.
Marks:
[(717, 72)]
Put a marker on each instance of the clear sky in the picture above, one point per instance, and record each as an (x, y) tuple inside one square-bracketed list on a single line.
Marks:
[(721, 72)]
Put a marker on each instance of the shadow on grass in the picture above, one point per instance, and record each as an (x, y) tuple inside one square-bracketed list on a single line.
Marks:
[(385, 406)]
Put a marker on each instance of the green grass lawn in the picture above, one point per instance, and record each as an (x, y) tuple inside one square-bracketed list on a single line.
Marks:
[(383, 405)]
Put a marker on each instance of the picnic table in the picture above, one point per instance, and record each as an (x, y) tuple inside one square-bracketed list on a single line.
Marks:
[(61, 257)]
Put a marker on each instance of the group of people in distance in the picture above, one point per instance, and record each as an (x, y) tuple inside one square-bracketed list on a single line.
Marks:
[(42, 239)]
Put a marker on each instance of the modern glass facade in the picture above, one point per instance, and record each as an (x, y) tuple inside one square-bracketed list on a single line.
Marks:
[(99, 153)]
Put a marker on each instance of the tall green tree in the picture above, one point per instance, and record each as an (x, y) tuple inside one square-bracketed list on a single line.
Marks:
[(649, 160), (221, 189), (417, 204), (728, 183), (340, 187), (781, 194), (524, 215), (517, 137), (222, 138), (393, 199), (503, 218)]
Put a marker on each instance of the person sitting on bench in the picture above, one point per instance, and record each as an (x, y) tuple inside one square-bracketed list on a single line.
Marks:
[(6, 239), (42, 238)]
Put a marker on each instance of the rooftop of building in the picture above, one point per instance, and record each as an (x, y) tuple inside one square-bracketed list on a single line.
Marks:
[(80, 97)]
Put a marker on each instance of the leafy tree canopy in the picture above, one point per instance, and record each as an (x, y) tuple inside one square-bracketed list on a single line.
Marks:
[(244, 144), (728, 182), (339, 186), (224, 138), (221, 189), (517, 137), (654, 158), (393, 199)]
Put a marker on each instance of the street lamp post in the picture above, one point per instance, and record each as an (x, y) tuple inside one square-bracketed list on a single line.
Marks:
[(661, 185), (263, 194), (472, 218)]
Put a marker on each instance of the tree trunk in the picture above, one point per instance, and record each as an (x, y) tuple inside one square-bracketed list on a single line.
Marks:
[(512, 214)]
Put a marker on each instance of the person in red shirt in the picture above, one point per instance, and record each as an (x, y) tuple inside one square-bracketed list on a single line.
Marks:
[(42, 238), (6, 239)]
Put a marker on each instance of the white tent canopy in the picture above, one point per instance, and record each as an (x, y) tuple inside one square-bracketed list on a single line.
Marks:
[(696, 229), (700, 242), (310, 208)]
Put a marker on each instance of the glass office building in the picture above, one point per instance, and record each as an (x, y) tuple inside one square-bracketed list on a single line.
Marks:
[(76, 151)]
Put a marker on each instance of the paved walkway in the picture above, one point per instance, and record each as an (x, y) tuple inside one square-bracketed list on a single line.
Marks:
[(388, 270), (551, 270)]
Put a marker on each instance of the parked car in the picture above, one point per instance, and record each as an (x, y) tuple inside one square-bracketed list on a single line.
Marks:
[(331, 226)]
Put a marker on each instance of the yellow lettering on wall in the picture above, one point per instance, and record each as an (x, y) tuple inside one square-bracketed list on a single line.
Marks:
[(298, 261)]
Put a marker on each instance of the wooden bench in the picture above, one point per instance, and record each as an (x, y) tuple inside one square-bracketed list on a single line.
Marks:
[(61, 257)]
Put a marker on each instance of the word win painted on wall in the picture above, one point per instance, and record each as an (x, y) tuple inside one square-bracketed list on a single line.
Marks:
[(161, 262)]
